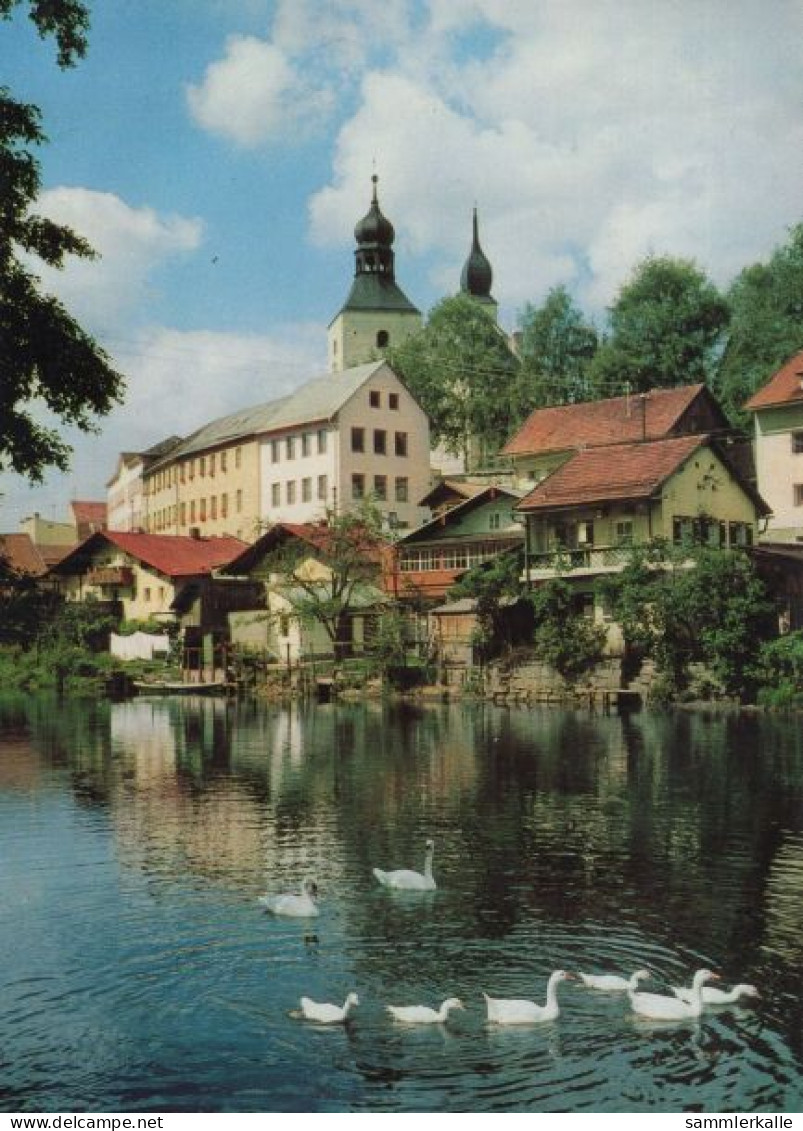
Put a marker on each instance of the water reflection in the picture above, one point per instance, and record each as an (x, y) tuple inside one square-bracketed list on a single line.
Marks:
[(562, 839)]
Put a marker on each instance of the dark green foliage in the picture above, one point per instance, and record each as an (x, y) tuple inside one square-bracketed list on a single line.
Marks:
[(779, 671), (24, 606), (766, 328), (667, 328), (45, 356), (494, 585), (464, 375), (557, 346), (564, 638)]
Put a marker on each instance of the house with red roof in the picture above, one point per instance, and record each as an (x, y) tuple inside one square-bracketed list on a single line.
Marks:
[(549, 436), (140, 576), (88, 517), (583, 518), (777, 410)]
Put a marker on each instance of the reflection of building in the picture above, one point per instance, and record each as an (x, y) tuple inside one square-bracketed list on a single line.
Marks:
[(778, 440)]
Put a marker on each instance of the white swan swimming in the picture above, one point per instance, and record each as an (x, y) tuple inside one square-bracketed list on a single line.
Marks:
[(422, 1014), (661, 1007), (613, 982), (323, 1012), (516, 1011), (714, 996), (301, 905), (404, 879)]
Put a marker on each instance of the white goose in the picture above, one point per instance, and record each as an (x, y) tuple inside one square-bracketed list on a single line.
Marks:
[(516, 1011), (611, 983), (422, 1014), (661, 1007), (301, 905), (404, 879), (714, 996), (323, 1012)]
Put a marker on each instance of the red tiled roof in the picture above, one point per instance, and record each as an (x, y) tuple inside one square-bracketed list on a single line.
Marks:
[(618, 472), (784, 387), (19, 551), (174, 555), (93, 514), (617, 420)]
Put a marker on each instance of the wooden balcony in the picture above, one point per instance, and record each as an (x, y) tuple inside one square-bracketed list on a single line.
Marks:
[(578, 562), (112, 577)]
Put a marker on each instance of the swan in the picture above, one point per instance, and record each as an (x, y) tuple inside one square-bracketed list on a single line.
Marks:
[(406, 880), (714, 996), (323, 1012), (422, 1014), (302, 905), (515, 1011), (660, 1007), (613, 982)]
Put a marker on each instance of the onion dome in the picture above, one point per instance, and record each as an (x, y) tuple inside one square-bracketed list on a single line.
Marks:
[(374, 228), (477, 276)]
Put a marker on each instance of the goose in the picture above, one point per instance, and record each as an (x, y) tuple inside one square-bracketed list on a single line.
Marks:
[(404, 879), (302, 905), (323, 1012), (422, 1014), (714, 996), (613, 982), (515, 1011), (660, 1007)]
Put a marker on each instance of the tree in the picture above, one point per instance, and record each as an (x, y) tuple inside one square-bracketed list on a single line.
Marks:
[(564, 638), (494, 586), (766, 327), (46, 359), (327, 577), (667, 328), (557, 347), (463, 372)]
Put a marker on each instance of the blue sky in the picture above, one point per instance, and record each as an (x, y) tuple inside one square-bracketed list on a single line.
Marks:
[(217, 153)]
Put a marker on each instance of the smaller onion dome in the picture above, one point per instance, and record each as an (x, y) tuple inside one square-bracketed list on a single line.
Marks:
[(374, 228), (477, 276)]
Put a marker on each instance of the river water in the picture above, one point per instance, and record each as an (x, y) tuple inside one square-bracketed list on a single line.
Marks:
[(139, 972)]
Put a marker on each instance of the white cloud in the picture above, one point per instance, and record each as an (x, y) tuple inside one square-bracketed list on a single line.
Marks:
[(131, 243), (254, 94)]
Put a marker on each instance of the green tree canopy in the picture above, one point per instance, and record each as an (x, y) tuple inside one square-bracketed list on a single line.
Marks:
[(667, 327), (766, 327), (557, 346), (46, 360), (463, 372)]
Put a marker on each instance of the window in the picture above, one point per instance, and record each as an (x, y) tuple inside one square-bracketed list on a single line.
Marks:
[(495, 521), (358, 439), (380, 441), (290, 490), (224, 505), (192, 511), (239, 499), (402, 489), (192, 469), (382, 339), (393, 400), (203, 510), (624, 532), (203, 466), (213, 506), (237, 456), (373, 398), (358, 486), (274, 451), (306, 443), (276, 494), (290, 447), (306, 490), (183, 514), (321, 441), (323, 488), (798, 489), (183, 473), (401, 443), (146, 594), (212, 464), (222, 461), (381, 487), (797, 443)]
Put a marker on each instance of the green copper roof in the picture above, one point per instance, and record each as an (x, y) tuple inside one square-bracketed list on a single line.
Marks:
[(377, 292)]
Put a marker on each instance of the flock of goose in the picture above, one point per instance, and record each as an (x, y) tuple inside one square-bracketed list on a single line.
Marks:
[(685, 1003)]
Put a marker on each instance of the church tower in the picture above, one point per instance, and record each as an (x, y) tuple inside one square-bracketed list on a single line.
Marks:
[(477, 276), (377, 313)]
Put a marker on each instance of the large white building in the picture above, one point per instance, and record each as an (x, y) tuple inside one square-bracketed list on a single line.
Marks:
[(777, 410)]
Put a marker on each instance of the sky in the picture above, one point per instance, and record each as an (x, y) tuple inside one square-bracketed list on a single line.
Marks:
[(218, 153)]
